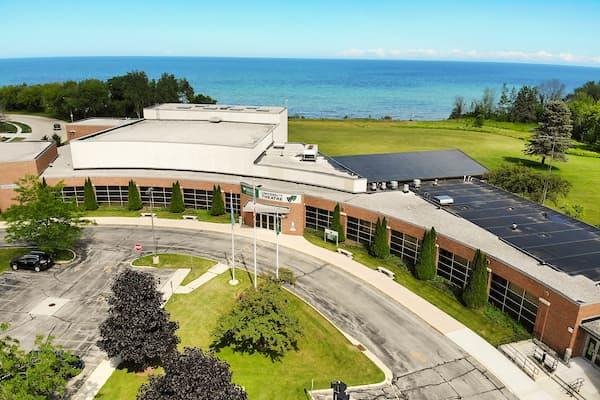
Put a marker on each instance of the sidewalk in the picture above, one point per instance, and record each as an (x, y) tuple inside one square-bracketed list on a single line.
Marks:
[(471, 343)]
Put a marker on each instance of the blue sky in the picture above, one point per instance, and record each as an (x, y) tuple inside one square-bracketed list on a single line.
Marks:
[(560, 32)]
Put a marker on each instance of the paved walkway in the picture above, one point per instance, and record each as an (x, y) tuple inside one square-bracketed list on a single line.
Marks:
[(491, 358)]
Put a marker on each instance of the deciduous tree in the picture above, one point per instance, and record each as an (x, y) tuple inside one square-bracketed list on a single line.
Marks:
[(137, 329), (192, 375), (41, 217)]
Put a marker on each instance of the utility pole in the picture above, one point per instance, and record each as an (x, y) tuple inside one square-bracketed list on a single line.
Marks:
[(233, 281)]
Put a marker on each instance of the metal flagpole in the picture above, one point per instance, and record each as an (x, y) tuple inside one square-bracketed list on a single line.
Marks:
[(277, 244), (233, 281), (254, 229)]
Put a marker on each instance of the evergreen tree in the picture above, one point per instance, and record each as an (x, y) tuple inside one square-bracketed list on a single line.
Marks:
[(218, 205), (89, 196), (459, 108), (504, 104), (176, 205), (137, 328), (426, 268), (336, 223), (380, 247), (552, 138), (526, 106), (134, 202), (475, 294)]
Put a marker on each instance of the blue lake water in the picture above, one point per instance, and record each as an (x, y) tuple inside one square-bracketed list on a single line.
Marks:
[(313, 87)]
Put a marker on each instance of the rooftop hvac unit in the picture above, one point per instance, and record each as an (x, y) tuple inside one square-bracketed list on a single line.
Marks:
[(383, 186), (309, 153), (374, 186), (417, 183), (394, 185), (405, 188), (443, 200)]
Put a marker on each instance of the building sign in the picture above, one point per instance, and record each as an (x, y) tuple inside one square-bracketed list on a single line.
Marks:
[(329, 235), (271, 196)]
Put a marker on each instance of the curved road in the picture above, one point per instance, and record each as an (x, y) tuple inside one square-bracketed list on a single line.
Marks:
[(425, 364)]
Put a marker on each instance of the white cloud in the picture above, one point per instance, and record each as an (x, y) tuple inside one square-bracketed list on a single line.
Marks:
[(462, 54)]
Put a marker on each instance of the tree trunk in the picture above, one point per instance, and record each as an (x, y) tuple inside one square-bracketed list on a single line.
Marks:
[(543, 160)]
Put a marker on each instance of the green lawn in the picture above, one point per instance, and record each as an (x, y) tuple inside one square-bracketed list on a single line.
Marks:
[(6, 127), (203, 215), (123, 385), (492, 145), (198, 265), (24, 127), (324, 353), (490, 323)]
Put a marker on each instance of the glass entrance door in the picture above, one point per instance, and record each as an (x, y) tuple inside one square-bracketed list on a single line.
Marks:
[(591, 350), (266, 221)]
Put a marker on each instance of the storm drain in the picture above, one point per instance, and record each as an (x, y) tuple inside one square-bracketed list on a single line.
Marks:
[(49, 306)]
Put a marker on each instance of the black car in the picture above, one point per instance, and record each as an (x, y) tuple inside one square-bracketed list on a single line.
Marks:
[(35, 260)]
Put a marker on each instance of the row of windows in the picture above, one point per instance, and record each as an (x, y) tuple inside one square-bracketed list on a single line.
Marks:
[(453, 268), (318, 218), (118, 196), (514, 301), (405, 246), (360, 230)]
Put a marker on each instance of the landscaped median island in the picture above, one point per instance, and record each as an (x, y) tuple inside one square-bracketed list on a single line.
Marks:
[(197, 265), (201, 215), (323, 354), (490, 323)]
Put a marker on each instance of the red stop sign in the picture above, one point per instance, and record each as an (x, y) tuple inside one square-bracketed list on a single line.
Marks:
[(138, 247)]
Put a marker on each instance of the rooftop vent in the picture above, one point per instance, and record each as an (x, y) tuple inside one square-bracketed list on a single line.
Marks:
[(514, 227), (214, 120), (310, 152), (443, 200)]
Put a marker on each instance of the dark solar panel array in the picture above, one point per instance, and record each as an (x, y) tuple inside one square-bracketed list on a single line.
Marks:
[(553, 238), (405, 167)]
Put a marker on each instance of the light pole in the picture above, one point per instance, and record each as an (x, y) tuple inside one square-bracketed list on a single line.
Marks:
[(233, 281), (277, 229), (155, 258), (254, 228)]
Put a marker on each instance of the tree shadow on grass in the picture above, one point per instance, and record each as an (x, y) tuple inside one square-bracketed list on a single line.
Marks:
[(537, 165)]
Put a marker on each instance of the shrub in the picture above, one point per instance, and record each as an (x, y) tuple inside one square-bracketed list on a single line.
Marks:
[(287, 276), (176, 205), (528, 183), (260, 322), (336, 223), (380, 247), (217, 206), (426, 267), (475, 294), (89, 196), (137, 328), (134, 202)]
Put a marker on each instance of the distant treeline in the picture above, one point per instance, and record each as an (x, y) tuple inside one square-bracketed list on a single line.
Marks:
[(120, 96), (527, 105)]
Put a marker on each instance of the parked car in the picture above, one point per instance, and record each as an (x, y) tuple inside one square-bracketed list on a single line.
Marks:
[(34, 260)]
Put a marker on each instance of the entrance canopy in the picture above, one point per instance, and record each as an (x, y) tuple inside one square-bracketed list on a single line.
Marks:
[(592, 327), (265, 208)]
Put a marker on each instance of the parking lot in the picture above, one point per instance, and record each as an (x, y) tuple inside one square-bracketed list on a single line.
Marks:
[(67, 302)]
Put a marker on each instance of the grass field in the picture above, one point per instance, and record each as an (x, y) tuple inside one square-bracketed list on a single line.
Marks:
[(324, 354), (198, 265), (24, 127), (493, 144), (490, 323), (6, 127)]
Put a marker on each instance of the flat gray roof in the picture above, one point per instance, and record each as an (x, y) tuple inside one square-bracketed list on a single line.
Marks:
[(219, 108), (21, 151), (99, 121), (234, 134)]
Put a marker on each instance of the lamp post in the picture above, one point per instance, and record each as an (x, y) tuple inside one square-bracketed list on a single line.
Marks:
[(254, 229), (233, 281), (277, 229), (155, 258)]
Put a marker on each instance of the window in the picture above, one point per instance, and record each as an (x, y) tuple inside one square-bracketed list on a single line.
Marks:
[(514, 301), (202, 199), (236, 202), (112, 195), (453, 268), (318, 218), (73, 193), (359, 230), (161, 196), (405, 246)]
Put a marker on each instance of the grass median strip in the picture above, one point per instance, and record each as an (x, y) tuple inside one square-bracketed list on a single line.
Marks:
[(324, 353), (490, 323), (201, 215), (197, 265)]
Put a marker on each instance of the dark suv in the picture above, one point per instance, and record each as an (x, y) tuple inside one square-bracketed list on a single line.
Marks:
[(35, 260)]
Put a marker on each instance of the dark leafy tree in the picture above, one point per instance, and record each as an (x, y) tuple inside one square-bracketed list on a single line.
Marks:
[(589, 89), (552, 138), (57, 139), (89, 196), (426, 268), (41, 217), (260, 322), (192, 375), (134, 201), (336, 223), (504, 104), (137, 329), (203, 99), (177, 205), (528, 183), (380, 247), (459, 108), (585, 112), (475, 293), (217, 206), (37, 375), (526, 106), (167, 89)]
